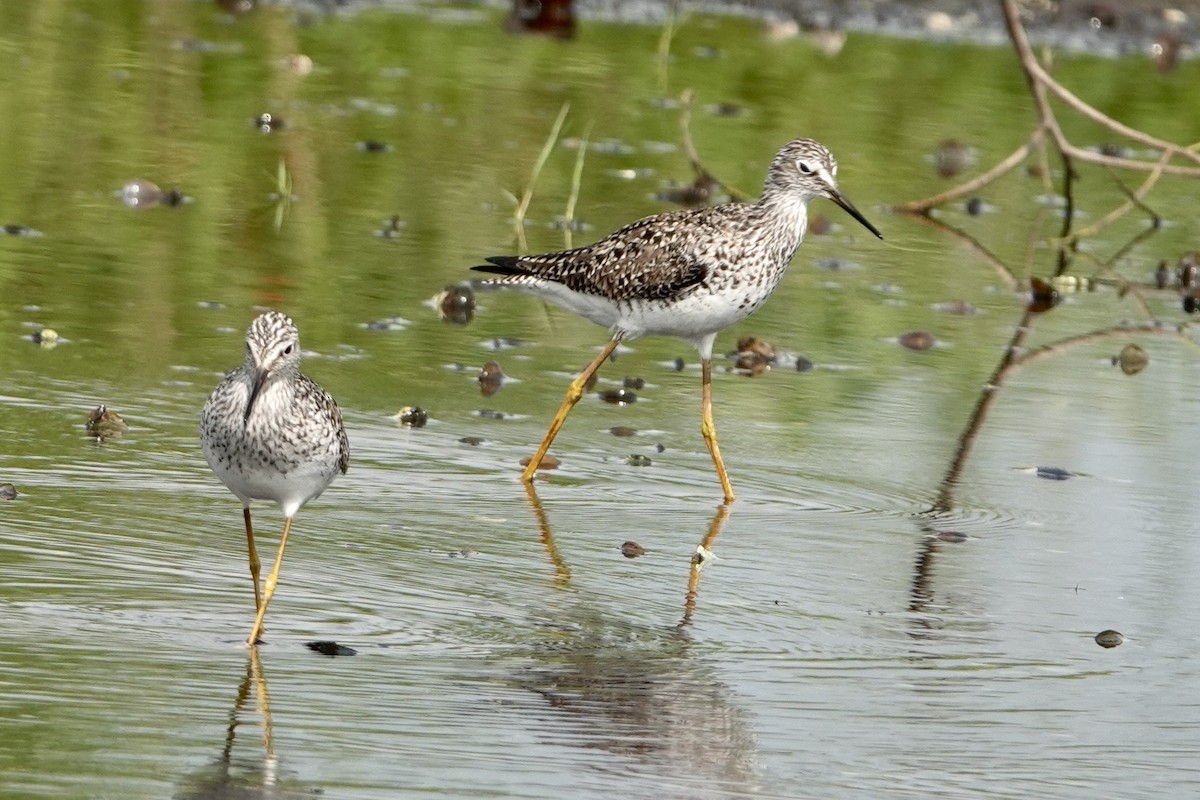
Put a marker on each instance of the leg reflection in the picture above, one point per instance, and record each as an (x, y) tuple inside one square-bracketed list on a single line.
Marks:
[(562, 572), (703, 555)]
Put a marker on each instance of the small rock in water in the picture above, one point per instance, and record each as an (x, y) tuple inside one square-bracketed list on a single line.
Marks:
[(622, 430), (803, 364), (374, 146), (1109, 638), (1054, 473), (19, 230), (632, 550), (456, 304), (488, 413), (548, 462), (412, 417), (474, 441), (679, 364), (328, 648), (1162, 275), (917, 340), (1042, 296), (634, 383), (950, 536), (975, 206), (8, 491), (1132, 359), (267, 122), (46, 338), (951, 157), (103, 424), (490, 378), (637, 460), (619, 397)]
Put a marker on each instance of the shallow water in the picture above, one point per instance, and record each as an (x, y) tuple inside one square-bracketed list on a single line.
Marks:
[(834, 648)]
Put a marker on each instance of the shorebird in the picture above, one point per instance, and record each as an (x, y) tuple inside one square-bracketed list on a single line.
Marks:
[(689, 273), (272, 433)]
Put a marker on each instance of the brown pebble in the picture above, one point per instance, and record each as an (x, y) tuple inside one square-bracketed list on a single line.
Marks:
[(327, 648), (456, 304), (917, 340), (1109, 638), (632, 550), (950, 158), (619, 397), (622, 430), (951, 536), (1132, 359), (490, 378), (412, 417), (474, 441), (548, 462), (634, 383), (8, 491), (103, 424)]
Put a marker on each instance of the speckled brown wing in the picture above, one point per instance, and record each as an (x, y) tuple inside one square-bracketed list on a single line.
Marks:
[(652, 259)]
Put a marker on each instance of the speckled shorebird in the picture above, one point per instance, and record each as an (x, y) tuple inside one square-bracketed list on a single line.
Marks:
[(272, 433), (689, 273)]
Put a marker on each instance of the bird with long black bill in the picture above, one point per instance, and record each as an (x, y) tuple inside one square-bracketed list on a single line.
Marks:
[(689, 273)]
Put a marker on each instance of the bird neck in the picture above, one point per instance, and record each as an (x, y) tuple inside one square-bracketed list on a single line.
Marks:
[(784, 213)]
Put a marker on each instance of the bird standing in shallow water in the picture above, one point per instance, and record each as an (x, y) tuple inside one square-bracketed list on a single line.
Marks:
[(688, 273), (272, 433)]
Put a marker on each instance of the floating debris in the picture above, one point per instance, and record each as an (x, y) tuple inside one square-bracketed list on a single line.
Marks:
[(268, 123), (46, 338), (389, 324), (466, 552), (637, 460), (297, 64), (20, 230), (618, 397), (819, 225), (950, 536), (373, 146), (548, 462), (328, 648), (678, 364), (473, 441), (8, 491), (487, 413), (1043, 296), (412, 417), (103, 424), (622, 431), (391, 228), (455, 304), (632, 550), (916, 340), (1132, 359), (803, 364), (702, 556), (958, 307), (633, 383), (1188, 270), (975, 206), (1053, 473), (1162, 275), (725, 109), (491, 378), (951, 158), (1109, 638), (754, 356), (141, 194)]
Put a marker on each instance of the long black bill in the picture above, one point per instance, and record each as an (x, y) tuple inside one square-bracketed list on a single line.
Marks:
[(260, 377), (849, 208)]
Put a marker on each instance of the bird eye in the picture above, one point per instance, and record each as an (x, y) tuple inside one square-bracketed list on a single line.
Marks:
[(287, 351), (804, 168)]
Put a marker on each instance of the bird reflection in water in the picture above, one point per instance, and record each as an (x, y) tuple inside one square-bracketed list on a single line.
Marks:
[(638, 692), (234, 776)]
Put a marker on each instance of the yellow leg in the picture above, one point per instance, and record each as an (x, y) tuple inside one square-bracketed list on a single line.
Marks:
[(255, 564), (709, 431), (269, 587), (574, 393)]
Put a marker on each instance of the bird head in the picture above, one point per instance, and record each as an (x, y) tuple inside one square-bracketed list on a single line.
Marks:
[(806, 168), (272, 348)]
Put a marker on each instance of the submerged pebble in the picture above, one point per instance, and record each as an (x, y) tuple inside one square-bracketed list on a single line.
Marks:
[(622, 430), (474, 441), (1132, 359), (488, 413), (8, 491), (328, 648), (412, 417), (1053, 473), (104, 424), (1109, 638), (491, 378), (632, 550), (548, 462), (637, 460), (456, 304), (618, 397), (917, 340)]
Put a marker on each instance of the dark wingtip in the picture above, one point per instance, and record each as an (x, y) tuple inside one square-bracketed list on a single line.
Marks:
[(500, 265)]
